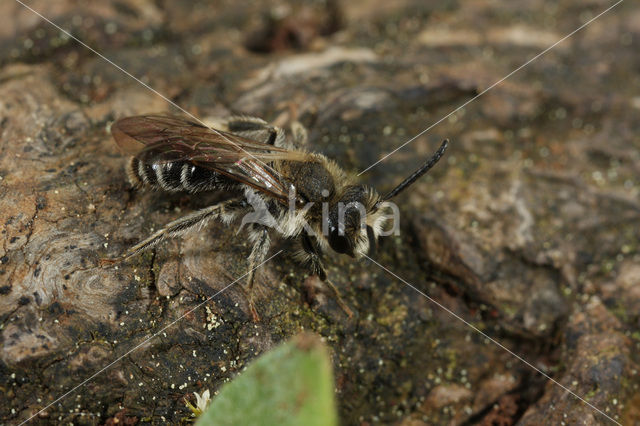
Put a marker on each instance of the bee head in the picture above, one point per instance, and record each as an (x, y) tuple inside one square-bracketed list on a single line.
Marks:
[(357, 219), (354, 222)]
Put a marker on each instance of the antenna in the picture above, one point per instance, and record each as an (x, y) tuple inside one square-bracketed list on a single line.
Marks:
[(418, 173)]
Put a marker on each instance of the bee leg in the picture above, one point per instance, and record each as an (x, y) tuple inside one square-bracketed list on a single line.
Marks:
[(299, 133), (312, 253), (256, 129), (261, 242), (225, 210), (338, 297)]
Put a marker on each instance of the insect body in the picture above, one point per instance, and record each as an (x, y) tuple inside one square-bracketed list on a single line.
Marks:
[(271, 183)]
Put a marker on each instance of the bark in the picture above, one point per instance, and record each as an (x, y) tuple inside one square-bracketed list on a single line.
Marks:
[(528, 229)]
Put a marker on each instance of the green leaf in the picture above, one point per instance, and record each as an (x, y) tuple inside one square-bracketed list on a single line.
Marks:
[(290, 385)]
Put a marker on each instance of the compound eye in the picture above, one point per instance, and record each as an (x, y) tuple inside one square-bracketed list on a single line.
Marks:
[(340, 243)]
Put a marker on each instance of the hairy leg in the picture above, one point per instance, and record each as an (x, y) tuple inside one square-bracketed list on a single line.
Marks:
[(311, 253), (256, 129), (261, 243), (299, 134), (225, 210)]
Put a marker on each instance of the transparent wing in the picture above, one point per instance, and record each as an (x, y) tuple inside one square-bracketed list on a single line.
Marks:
[(159, 138)]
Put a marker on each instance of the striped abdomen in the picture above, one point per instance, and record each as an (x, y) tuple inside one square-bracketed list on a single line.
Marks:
[(176, 176)]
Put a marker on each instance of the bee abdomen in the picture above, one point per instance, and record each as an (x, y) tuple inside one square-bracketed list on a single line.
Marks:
[(175, 176)]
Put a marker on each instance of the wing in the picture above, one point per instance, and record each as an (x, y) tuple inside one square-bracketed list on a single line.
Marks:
[(159, 138)]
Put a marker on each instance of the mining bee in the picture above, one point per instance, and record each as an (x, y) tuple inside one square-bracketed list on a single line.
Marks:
[(271, 183)]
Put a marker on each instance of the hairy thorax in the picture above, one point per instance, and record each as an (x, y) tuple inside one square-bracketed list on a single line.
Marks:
[(313, 182)]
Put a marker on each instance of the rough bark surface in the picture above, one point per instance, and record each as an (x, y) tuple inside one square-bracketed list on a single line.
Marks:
[(528, 229)]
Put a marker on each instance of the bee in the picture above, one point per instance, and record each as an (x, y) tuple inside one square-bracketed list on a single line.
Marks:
[(271, 183)]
